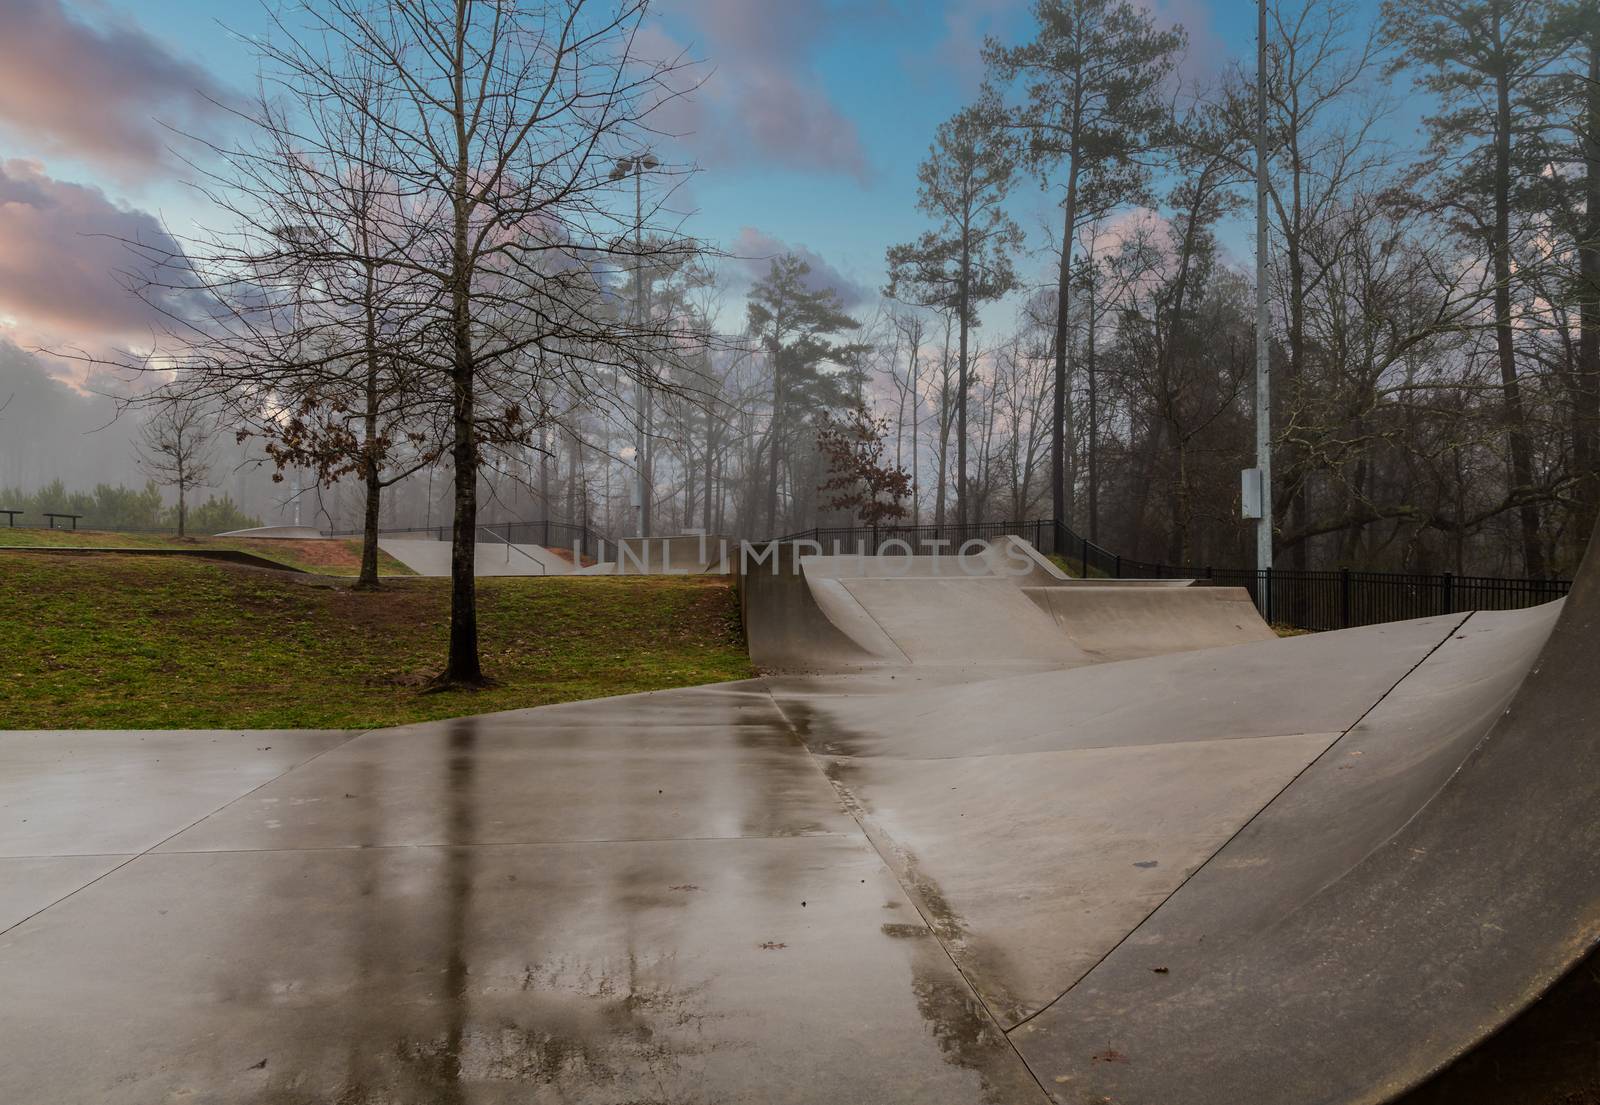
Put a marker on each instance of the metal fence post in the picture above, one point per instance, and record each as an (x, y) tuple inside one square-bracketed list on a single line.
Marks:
[(1447, 590), (1119, 565), (1085, 573), (1269, 595), (1344, 598)]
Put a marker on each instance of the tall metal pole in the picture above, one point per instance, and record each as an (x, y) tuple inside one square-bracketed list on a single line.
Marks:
[(1263, 389)]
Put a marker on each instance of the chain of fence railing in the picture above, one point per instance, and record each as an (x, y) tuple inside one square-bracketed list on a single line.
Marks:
[(945, 537), (1308, 599)]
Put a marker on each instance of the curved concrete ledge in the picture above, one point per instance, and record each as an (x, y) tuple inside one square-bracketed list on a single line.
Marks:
[(1416, 888), (231, 556)]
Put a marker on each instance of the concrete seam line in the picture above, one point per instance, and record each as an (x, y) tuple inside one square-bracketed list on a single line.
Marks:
[(910, 897), (1268, 804), (186, 828)]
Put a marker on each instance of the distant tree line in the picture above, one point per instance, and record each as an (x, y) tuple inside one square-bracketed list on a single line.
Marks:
[(109, 507), (449, 287)]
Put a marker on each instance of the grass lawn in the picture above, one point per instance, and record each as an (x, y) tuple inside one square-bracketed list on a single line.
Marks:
[(337, 557), (167, 642)]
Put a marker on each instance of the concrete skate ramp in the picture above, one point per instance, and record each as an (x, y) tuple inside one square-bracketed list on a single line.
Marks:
[(786, 629), (963, 621), (680, 554), (1422, 882), (432, 558), (279, 533), (993, 607), (852, 566), (839, 613), (1041, 842), (1122, 623), (1173, 884)]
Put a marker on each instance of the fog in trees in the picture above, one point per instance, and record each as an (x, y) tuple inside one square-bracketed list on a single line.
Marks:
[(402, 338)]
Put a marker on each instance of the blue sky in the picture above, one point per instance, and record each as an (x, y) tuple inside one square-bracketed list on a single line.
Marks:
[(810, 128)]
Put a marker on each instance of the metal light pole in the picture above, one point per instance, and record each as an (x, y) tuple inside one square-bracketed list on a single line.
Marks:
[(636, 167), (1263, 388)]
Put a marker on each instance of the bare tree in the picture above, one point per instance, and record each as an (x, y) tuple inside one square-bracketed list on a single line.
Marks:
[(175, 448), (488, 132), (966, 261)]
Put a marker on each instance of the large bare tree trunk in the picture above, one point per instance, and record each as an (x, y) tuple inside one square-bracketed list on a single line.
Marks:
[(1094, 415), (1586, 439), (370, 459), (774, 444), (368, 579), (463, 667), (1505, 339), (963, 300), (1058, 420)]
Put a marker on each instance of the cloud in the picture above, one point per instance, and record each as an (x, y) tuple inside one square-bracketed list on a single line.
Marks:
[(957, 57), (50, 429), (62, 248), (94, 91), (754, 250), (763, 100)]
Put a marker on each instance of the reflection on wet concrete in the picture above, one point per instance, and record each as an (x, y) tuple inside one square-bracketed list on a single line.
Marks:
[(375, 930), (460, 825)]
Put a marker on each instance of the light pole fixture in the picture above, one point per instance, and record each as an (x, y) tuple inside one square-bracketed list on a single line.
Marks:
[(1257, 486), (636, 167)]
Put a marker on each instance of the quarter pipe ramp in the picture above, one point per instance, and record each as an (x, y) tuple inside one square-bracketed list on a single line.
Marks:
[(1185, 863)]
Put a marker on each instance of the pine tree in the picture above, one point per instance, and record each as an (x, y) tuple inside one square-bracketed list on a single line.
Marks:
[(966, 261), (1488, 64), (1092, 78), (796, 325)]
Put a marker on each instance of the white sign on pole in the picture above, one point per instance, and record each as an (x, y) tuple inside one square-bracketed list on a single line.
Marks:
[(1250, 493)]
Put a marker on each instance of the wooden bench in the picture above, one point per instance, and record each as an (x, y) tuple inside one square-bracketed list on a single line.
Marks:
[(55, 515), (11, 517)]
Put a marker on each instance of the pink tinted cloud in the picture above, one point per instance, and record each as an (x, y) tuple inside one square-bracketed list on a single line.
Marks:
[(95, 92), (958, 54), (61, 252), (762, 100), (754, 250)]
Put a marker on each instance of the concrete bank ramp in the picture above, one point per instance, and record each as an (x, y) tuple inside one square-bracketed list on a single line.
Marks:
[(1316, 871), (957, 620), (845, 612), (1124, 623), (279, 533), (1418, 886), (1002, 606), (492, 558), (1041, 817), (680, 554)]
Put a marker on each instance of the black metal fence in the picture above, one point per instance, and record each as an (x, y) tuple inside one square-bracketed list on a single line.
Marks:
[(1349, 597), (1312, 599), (947, 538)]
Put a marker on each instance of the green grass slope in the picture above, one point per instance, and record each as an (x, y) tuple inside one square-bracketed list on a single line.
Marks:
[(164, 642), (339, 557)]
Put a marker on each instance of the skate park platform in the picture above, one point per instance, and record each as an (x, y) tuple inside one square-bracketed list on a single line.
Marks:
[(679, 554), (1334, 869), (429, 557)]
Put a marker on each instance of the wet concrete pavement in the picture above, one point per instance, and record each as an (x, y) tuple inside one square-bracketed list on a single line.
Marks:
[(884, 886), (657, 898)]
